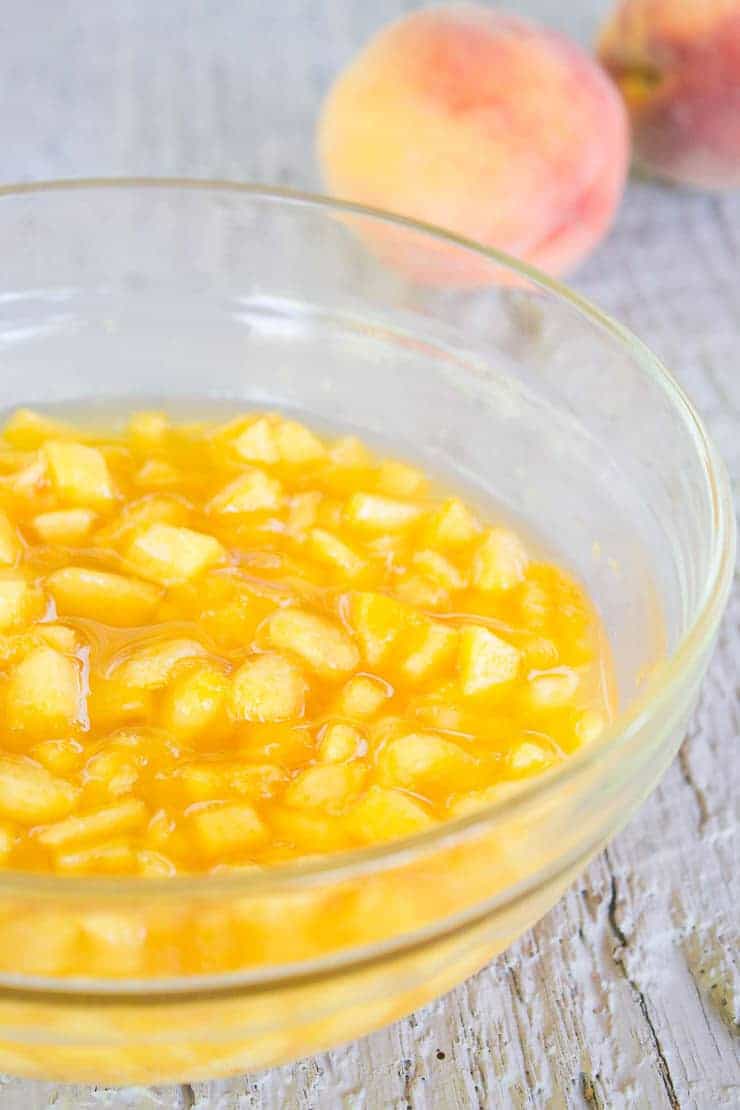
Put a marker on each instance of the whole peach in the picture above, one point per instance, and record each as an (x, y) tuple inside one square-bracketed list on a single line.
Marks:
[(678, 65), (482, 123)]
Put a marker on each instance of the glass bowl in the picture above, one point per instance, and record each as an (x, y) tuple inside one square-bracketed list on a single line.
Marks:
[(182, 294)]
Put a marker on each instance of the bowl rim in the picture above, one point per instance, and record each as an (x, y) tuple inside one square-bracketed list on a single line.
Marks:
[(658, 689)]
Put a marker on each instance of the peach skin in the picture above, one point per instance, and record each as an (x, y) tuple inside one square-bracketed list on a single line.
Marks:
[(678, 66), (484, 124)]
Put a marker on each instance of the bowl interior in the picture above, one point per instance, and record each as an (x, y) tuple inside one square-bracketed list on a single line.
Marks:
[(214, 299)]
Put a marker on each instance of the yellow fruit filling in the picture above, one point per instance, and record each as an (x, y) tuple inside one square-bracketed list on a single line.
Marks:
[(237, 644)]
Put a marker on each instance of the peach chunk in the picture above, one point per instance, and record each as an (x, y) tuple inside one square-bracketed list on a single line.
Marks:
[(483, 123), (678, 67)]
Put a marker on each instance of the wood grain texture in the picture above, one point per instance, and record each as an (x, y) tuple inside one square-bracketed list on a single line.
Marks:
[(628, 992)]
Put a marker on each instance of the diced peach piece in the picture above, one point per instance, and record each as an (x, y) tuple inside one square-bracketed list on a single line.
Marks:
[(307, 829), (590, 726), (296, 443), (267, 688), (102, 596), (373, 513), (17, 600), (8, 839), (28, 482), (114, 858), (535, 604), (157, 474), (79, 473), (330, 784), (438, 568), (378, 620), (30, 795), (251, 492), (59, 636), (10, 544), (58, 756), (465, 804), (319, 642), (114, 941), (434, 645), (350, 452), (553, 688), (64, 526), (194, 701), (452, 525), (222, 830), (500, 560), (303, 510), (150, 666), (362, 697), (398, 479), (112, 701), (257, 443), (328, 549), (423, 760), (485, 660), (529, 758), (115, 770), (27, 429), (148, 429), (383, 814), (44, 693), (98, 826), (340, 742), (167, 554), (421, 592), (438, 118), (206, 781)]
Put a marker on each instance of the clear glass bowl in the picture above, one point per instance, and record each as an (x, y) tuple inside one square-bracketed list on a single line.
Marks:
[(183, 293)]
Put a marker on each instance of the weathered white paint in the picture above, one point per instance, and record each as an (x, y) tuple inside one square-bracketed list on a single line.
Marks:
[(628, 993)]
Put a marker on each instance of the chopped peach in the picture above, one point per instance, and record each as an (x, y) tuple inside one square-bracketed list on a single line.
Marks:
[(500, 560), (167, 554), (340, 742), (485, 660), (378, 620), (44, 693), (97, 826), (326, 547), (257, 443), (30, 795), (398, 479), (18, 600), (422, 761), (27, 429), (452, 525), (194, 702), (221, 830), (329, 785), (64, 526), (79, 473), (370, 512), (150, 666), (100, 595), (362, 697), (320, 643), (251, 492), (267, 688), (10, 543), (296, 443), (383, 814)]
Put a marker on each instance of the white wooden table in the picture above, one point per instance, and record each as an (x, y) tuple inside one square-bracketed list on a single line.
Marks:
[(628, 993)]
